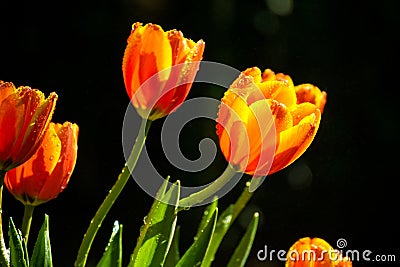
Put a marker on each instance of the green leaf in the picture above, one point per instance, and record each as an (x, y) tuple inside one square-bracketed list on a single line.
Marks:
[(173, 255), (157, 232), (242, 251), (223, 224), (112, 256), (41, 256), (194, 255), (18, 252), (207, 214)]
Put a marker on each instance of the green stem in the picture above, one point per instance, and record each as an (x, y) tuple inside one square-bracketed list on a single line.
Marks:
[(113, 194), (26, 221), (4, 253), (210, 190)]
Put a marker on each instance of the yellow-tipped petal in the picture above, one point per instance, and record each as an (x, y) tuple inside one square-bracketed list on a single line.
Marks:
[(295, 140), (302, 110)]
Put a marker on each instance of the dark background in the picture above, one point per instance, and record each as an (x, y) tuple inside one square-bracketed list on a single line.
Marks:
[(343, 186)]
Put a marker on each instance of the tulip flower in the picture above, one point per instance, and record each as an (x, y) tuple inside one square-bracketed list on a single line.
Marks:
[(159, 68), (265, 122), (46, 173), (24, 117), (315, 252)]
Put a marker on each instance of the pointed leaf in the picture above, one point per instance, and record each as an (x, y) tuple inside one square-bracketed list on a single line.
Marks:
[(112, 256), (42, 251), (173, 255), (194, 255), (207, 214), (157, 233), (223, 224), (242, 251), (18, 256)]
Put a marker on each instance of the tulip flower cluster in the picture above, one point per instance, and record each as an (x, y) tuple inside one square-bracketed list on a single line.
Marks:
[(37, 156), (264, 123)]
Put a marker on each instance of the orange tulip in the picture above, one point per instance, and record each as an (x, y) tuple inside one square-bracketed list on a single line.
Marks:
[(47, 173), (24, 117), (173, 58), (252, 106), (315, 252)]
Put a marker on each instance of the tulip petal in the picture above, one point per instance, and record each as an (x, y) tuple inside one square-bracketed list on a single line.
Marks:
[(29, 100), (231, 128), (283, 118), (224, 141), (261, 131), (284, 78), (295, 140), (26, 181), (279, 91), (268, 75), (51, 150), (130, 62), (155, 54), (38, 120), (186, 74), (238, 153), (11, 121), (301, 111), (233, 108), (181, 76), (6, 89), (253, 72), (312, 94), (38, 168), (179, 46), (59, 178)]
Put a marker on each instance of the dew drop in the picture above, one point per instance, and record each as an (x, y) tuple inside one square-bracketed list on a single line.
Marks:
[(227, 219)]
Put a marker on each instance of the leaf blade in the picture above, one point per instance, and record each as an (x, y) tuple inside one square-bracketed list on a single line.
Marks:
[(157, 233), (42, 250), (173, 255), (18, 256), (207, 214), (195, 254), (112, 256), (224, 222), (242, 251)]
